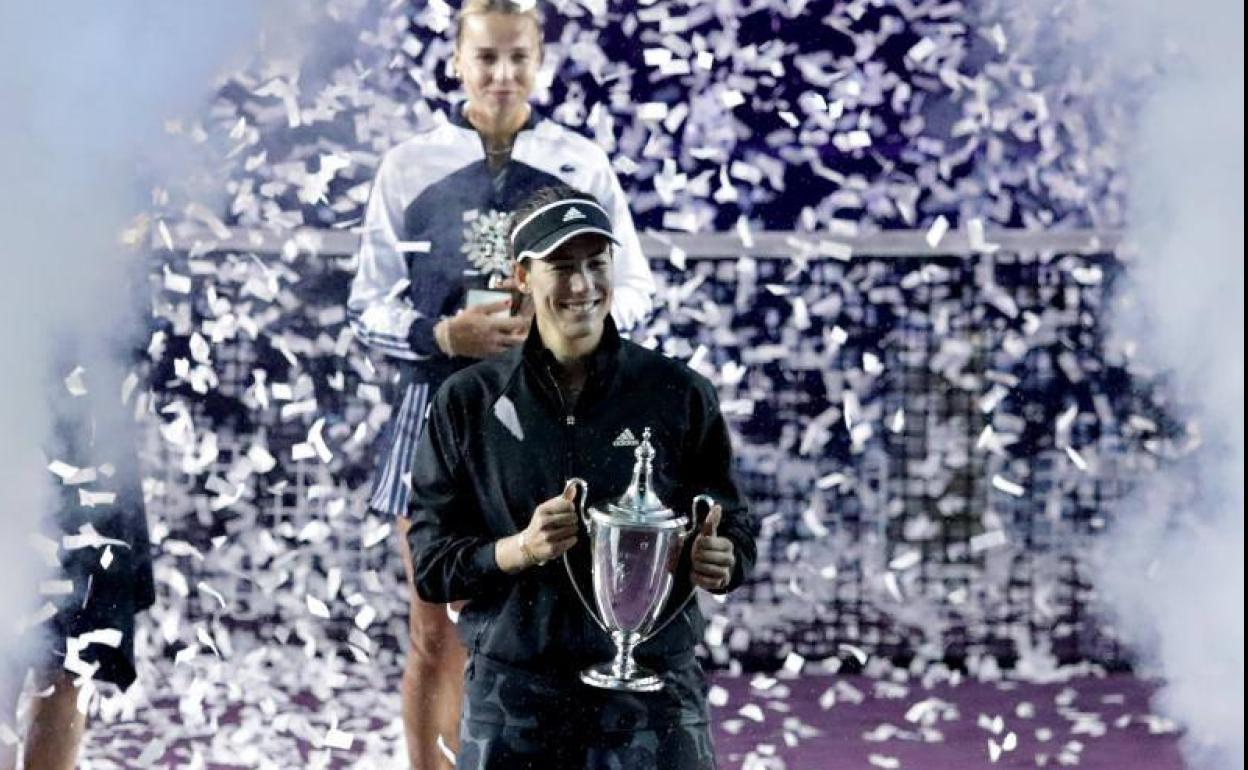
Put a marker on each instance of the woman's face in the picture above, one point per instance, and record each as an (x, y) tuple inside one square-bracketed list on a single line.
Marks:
[(571, 292), (497, 57)]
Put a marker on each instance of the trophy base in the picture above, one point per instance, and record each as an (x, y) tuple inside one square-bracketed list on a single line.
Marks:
[(604, 676)]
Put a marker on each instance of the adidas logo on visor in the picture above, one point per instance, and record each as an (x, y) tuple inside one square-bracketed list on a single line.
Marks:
[(626, 438), (542, 230)]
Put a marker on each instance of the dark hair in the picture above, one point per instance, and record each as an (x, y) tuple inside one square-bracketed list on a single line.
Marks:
[(511, 7), (543, 196)]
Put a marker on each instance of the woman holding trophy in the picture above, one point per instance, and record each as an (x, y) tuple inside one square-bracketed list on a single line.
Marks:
[(576, 459), (435, 226)]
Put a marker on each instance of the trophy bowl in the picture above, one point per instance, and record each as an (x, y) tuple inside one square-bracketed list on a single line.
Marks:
[(635, 543)]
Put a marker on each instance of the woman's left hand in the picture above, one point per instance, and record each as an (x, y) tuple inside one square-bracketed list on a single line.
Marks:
[(521, 303), (713, 556)]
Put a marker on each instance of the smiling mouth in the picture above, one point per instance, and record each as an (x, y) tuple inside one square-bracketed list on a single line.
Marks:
[(581, 306)]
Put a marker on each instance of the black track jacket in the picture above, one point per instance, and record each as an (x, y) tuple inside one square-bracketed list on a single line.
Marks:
[(499, 441)]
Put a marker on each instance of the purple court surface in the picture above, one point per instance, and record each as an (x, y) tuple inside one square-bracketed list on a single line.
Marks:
[(350, 719), (820, 724)]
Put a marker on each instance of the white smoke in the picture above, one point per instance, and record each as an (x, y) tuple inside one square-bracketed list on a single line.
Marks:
[(86, 89), (1174, 561)]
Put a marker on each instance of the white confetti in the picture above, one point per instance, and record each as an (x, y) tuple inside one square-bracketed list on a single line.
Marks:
[(921, 50), (991, 539), (70, 475), (88, 537), (204, 587), (994, 751), (906, 560), (936, 233), (365, 617), (261, 459), (317, 441), (75, 382), (1007, 486), (317, 607), (337, 739), (376, 535), (858, 653), (1076, 458), (179, 284), (89, 499)]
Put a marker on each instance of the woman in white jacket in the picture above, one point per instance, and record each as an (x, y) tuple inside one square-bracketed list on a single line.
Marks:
[(435, 223)]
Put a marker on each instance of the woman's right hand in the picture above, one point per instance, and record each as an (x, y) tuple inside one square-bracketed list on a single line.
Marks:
[(475, 332), (552, 530)]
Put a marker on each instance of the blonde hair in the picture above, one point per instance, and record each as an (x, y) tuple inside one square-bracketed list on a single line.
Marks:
[(513, 7)]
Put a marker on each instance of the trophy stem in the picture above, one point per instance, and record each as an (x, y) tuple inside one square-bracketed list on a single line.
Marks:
[(622, 673), (624, 667)]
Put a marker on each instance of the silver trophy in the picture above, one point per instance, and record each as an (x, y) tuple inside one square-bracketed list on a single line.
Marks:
[(635, 543), (485, 248)]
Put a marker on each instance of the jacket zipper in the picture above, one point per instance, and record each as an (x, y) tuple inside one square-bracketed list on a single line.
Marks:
[(569, 419), (569, 424)]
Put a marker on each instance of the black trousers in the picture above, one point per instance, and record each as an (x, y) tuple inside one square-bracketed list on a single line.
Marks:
[(516, 719)]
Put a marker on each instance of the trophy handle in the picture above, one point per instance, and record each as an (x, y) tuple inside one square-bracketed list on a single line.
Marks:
[(582, 495), (693, 512), (690, 530), (579, 501)]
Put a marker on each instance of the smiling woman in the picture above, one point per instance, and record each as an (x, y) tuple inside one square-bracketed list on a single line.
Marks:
[(486, 521), (562, 242), (498, 50), (570, 293)]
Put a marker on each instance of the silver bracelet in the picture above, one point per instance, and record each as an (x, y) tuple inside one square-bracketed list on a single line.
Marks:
[(529, 555)]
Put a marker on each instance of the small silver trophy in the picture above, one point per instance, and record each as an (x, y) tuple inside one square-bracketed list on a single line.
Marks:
[(485, 248), (635, 543)]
